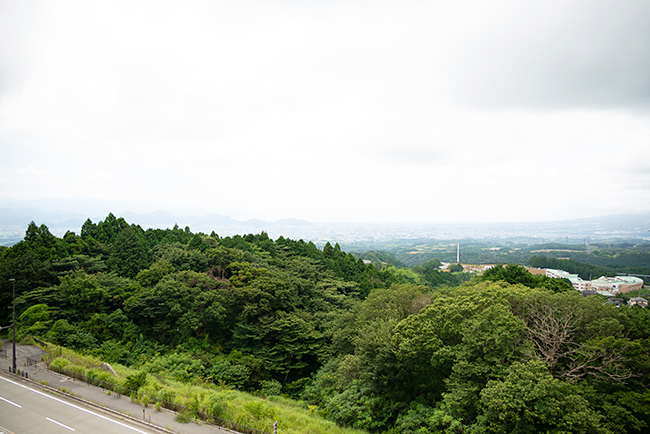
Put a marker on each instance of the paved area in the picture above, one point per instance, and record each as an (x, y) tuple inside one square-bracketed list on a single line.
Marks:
[(95, 396)]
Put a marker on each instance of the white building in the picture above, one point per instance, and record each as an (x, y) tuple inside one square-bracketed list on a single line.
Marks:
[(617, 284), (576, 281)]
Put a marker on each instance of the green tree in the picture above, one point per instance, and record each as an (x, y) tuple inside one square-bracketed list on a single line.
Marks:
[(455, 268), (129, 253), (528, 400)]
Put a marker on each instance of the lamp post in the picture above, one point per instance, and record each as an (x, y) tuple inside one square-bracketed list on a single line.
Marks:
[(13, 321)]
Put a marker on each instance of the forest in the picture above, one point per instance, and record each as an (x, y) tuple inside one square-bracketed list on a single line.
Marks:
[(385, 349), (598, 259)]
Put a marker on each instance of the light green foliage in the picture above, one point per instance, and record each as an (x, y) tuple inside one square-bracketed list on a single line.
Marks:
[(180, 257), (243, 274), (60, 363), (515, 274), (152, 275), (179, 366), (34, 321), (259, 410)]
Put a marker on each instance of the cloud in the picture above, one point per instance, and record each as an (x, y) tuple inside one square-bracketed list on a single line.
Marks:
[(338, 110), (553, 55)]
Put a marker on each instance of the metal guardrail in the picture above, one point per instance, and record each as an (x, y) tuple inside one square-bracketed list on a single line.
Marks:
[(119, 390)]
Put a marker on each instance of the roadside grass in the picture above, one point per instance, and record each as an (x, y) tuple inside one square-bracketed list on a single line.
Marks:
[(220, 401)]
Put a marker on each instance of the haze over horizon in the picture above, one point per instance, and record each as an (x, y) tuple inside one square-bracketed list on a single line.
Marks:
[(384, 111)]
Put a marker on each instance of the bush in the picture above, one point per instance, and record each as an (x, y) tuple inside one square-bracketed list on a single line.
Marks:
[(216, 407), (136, 381), (270, 387), (183, 417), (59, 364), (167, 396), (233, 374), (27, 340)]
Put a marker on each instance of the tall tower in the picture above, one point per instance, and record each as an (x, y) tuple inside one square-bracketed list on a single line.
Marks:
[(458, 254)]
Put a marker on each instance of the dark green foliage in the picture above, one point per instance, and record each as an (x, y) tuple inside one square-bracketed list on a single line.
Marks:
[(231, 373), (104, 232), (515, 274), (136, 381), (129, 253), (28, 271), (65, 334), (430, 273), (492, 357), (379, 258), (382, 348), (585, 271), (181, 305)]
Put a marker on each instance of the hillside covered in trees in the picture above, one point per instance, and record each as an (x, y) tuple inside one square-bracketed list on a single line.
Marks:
[(382, 348)]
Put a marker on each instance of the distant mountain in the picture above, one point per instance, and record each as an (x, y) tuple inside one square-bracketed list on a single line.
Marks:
[(293, 222), (213, 219), (13, 223), (155, 218), (255, 223)]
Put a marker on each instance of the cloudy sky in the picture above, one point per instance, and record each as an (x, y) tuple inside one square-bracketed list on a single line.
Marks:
[(357, 110)]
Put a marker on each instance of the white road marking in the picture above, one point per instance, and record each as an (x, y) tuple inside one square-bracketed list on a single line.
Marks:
[(12, 403), (60, 424), (74, 406)]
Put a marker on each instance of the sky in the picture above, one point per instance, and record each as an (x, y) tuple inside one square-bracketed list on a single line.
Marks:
[(350, 111)]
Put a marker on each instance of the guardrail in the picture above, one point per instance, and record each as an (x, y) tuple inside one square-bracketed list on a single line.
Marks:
[(120, 390)]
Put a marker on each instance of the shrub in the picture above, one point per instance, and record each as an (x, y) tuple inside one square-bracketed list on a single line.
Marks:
[(136, 381), (270, 387), (167, 397), (216, 407), (183, 417), (59, 364), (27, 340)]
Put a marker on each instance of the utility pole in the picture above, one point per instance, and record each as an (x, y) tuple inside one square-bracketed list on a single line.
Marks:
[(13, 321)]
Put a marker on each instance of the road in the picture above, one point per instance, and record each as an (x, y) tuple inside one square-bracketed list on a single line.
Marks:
[(24, 409)]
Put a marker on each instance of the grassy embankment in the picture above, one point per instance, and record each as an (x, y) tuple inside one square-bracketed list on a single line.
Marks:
[(219, 401)]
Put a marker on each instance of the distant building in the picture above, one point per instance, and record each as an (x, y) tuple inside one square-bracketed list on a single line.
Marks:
[(618, 284), (618, 302), (610, 285), (576, 281), (536, 271), (638, 301)]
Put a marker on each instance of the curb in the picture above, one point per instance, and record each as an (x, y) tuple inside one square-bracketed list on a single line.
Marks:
[(88, 403)]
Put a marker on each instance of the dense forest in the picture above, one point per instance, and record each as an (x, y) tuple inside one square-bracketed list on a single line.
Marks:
[(385, 348)]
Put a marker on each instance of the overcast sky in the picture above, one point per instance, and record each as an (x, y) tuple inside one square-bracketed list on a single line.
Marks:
[(327, 110)]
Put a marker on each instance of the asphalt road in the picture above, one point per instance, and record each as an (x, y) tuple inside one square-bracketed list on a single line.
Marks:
[(26, 410)]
